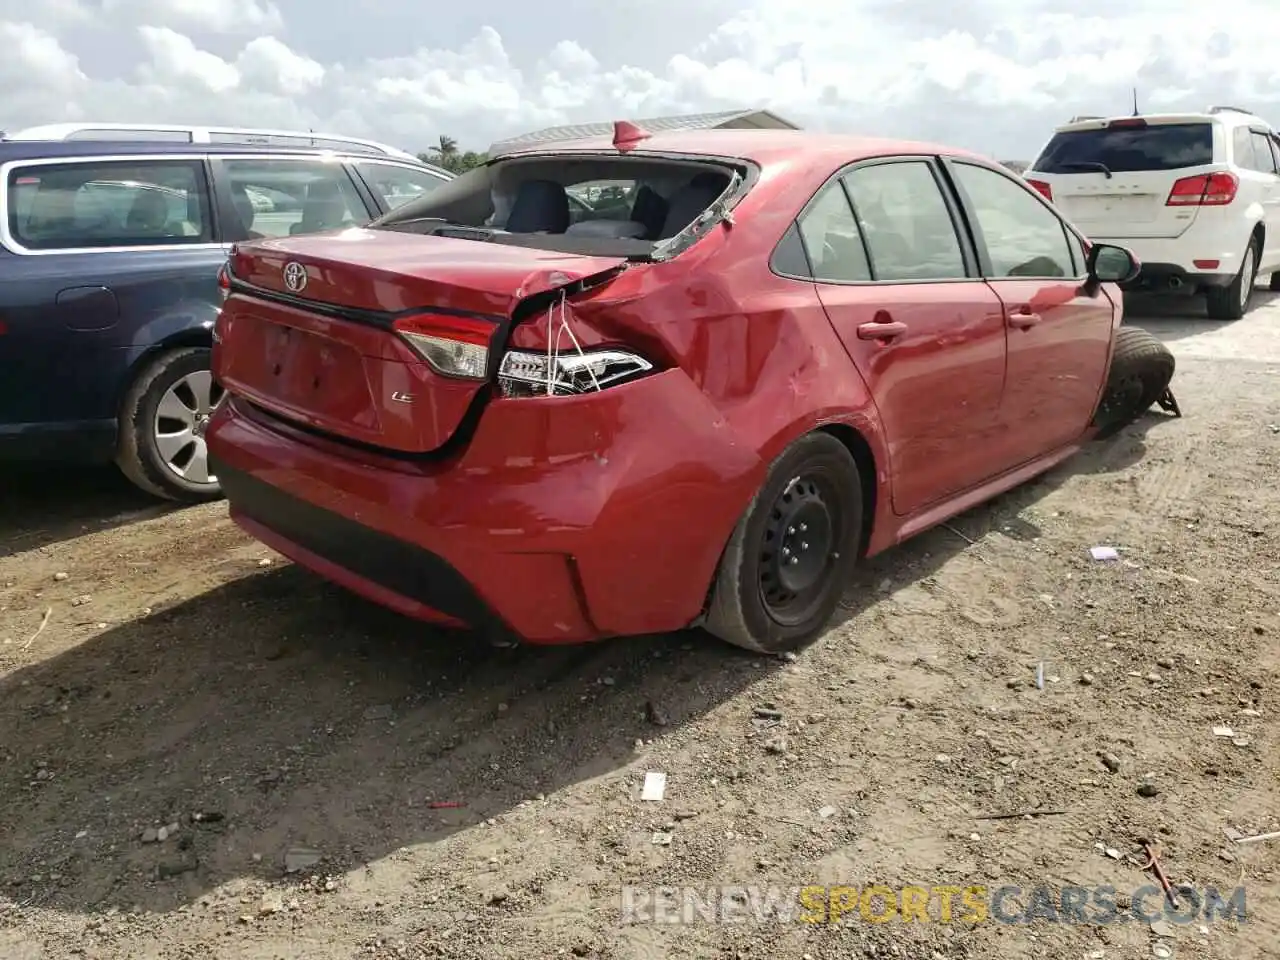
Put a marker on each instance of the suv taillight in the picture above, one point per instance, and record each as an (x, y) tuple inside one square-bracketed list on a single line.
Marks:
[(1041, 188), (224, 282), (1204, 190)]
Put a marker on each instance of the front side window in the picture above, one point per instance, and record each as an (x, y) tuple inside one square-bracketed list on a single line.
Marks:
[(283, 198), (903, 217), (396, 185), (1024, 238), (109, 204)]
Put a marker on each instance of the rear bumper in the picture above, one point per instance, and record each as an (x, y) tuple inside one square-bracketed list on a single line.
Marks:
[(1195, 260), (562, 521)]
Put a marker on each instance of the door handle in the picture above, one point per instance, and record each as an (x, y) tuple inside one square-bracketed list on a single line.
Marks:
[(877, 330), (1025, 320)]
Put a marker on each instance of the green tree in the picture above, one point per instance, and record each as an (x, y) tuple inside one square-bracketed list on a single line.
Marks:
[(446, 154)]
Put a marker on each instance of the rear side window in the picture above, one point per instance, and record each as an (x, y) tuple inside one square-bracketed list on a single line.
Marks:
[(1164, 146), (282, 198), (1264, 160), (908, 229), (832, 240), (396, 185), (108, 204)]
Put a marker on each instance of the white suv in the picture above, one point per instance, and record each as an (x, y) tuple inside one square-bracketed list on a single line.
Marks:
[(1195, 196)]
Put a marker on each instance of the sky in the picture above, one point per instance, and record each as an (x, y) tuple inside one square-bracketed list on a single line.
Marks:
[(989, 75)]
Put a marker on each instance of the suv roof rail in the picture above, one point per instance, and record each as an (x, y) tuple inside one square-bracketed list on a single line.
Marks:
[(1229, 109), (306, 139), (1084, 116)]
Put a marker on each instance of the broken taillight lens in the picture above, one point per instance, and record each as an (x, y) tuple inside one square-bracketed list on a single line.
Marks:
[(528, 373)]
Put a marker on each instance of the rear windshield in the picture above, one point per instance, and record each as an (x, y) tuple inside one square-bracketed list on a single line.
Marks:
[(607, 205), (1164, 146)]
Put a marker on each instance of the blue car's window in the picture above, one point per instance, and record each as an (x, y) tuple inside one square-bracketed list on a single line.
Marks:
[(108, 204)]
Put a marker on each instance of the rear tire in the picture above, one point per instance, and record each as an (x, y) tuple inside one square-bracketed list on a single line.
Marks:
[(1232, 301), (162, 419), (1141, 370), (785, 567)]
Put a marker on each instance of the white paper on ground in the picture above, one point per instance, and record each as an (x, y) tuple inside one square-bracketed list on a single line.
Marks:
[(655, 786)]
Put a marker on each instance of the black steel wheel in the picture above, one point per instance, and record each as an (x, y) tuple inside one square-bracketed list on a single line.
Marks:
[(1141, 369), (786, 564)]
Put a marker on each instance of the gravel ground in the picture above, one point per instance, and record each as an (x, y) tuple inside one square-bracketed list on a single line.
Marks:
[(186, 718)]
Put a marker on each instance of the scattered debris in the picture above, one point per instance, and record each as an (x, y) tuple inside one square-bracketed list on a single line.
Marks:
[(826, 813), (661, 839), (1259, 838), (1110, 761), (81, 600), (1163, 928), (776, 745), (1161, 951), (1040, 675), (44, 622), (445, 805), (1153, 864), (655, 714), (1224, 732), (766, 713), (60, 576), (1021, 813), (655, 786), (1148, 790), (297, 859), (1104, 553)]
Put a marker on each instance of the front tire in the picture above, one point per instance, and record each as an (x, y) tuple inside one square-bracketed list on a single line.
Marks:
[(162, 420), (1232, 301), (1141, 369), (785, 567)]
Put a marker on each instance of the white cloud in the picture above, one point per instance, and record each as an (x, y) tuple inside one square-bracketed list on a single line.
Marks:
[(994, 75), (212, 16), (175, 58)]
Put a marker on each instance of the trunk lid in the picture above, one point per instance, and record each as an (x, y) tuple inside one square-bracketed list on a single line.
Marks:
[(380, 337), (1112, 178)]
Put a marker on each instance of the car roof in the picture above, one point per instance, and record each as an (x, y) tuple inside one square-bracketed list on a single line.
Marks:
[(1226, 116), (765, 147), (11, 150)]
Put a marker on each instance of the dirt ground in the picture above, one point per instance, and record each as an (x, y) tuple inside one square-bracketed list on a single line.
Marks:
[(186, 676)]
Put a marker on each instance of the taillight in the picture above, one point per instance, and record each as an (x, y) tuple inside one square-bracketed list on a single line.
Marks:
[(528, 373), (453, 346), (1204, 190), (1042, 188), (224, 282)]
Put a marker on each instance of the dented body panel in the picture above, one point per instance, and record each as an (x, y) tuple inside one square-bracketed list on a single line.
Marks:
[(570, 518)]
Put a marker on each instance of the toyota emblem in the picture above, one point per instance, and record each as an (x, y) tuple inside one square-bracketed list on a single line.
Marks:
[(295, 277)]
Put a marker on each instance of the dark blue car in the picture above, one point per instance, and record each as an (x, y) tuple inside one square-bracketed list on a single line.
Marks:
[(109, 256)]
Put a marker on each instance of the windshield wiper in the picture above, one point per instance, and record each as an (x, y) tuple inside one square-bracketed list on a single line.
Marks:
[(1088, 165)]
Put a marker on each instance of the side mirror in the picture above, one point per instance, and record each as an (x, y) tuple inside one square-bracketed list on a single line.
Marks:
[(1111, 264)]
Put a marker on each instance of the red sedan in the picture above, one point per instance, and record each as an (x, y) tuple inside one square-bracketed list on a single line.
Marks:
[(626, 386)]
